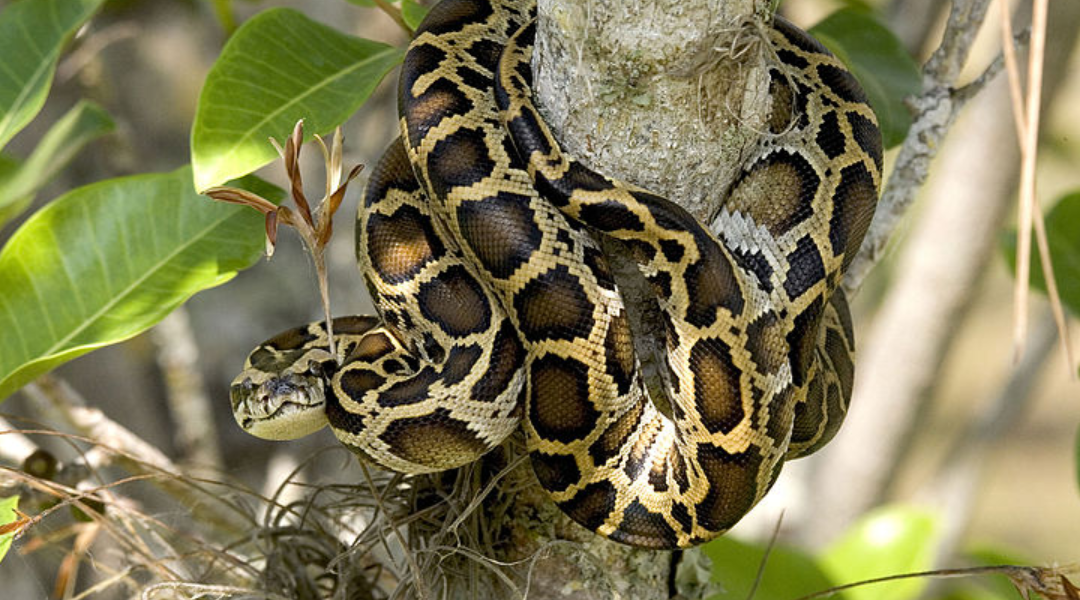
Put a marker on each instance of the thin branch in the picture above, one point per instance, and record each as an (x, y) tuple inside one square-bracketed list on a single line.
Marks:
[(935, 111)]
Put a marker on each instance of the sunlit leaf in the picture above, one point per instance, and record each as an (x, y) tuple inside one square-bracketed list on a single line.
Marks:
[(890, 541), (789, 573), (7, 517), (413, 13), (880, 63), (32, 34), (278, 68), (106, 261), (18, 183)]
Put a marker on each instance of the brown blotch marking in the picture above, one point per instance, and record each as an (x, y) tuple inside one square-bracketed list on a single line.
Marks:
[(711, 283), (436, 440), (598, 265), (780, 414), (354, 325), (459, 159), (459, 363), (608, 445), (619, 352), (679, 470), (776, 192), (411, 390), (372, 347), (456, 302), (559, 404), (716, 386), (501, 230), (440, 100), (789, 102), (765, 342), (392, 172), (556, 472), (591, 506), (554, 306), (507, 355), (853, 208), (810, 415), (399, 245), (645, 528), (356, 382), (802, 340), (732, 486), (292, 339)]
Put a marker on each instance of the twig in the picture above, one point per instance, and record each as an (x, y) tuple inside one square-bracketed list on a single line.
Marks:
[(935, 111), (14, 446), (196, 435)]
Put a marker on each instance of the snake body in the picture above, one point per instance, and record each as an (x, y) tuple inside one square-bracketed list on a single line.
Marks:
[(477, 238)]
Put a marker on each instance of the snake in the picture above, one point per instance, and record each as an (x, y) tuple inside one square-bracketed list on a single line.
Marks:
[(478, 239)]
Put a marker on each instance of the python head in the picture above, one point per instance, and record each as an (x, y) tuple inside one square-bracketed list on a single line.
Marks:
[(281, 394)]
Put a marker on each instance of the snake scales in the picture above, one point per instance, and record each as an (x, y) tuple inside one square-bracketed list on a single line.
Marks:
[(476, 239)]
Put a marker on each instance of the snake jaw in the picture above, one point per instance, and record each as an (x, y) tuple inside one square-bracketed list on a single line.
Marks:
[(280, 407)]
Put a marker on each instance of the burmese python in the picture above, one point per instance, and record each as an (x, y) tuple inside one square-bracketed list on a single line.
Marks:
[(476, 238)]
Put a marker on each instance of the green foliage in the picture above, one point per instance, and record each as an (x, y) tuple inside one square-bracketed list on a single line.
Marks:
[(32, 34), (880, 63), (890, 541), (7, 517), (106, 261), (278, 68), (413, 13), (789, 573), (1063, 239), (85, 122)]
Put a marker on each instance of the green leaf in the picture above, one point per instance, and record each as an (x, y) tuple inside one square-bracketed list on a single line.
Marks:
[(32, 34), (83, 123), (413, 13), (106, 261), (7, 516), (880, 63), (278, 68), (1063, 238), (890, 541), (789, 573)]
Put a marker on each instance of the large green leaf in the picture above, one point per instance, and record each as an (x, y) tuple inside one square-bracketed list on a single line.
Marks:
[(788, 573), (64, 139), (32, 34), (880, 63), (891, 541), (279, 67), (1063, 238), (106, 261), (7, 516)]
